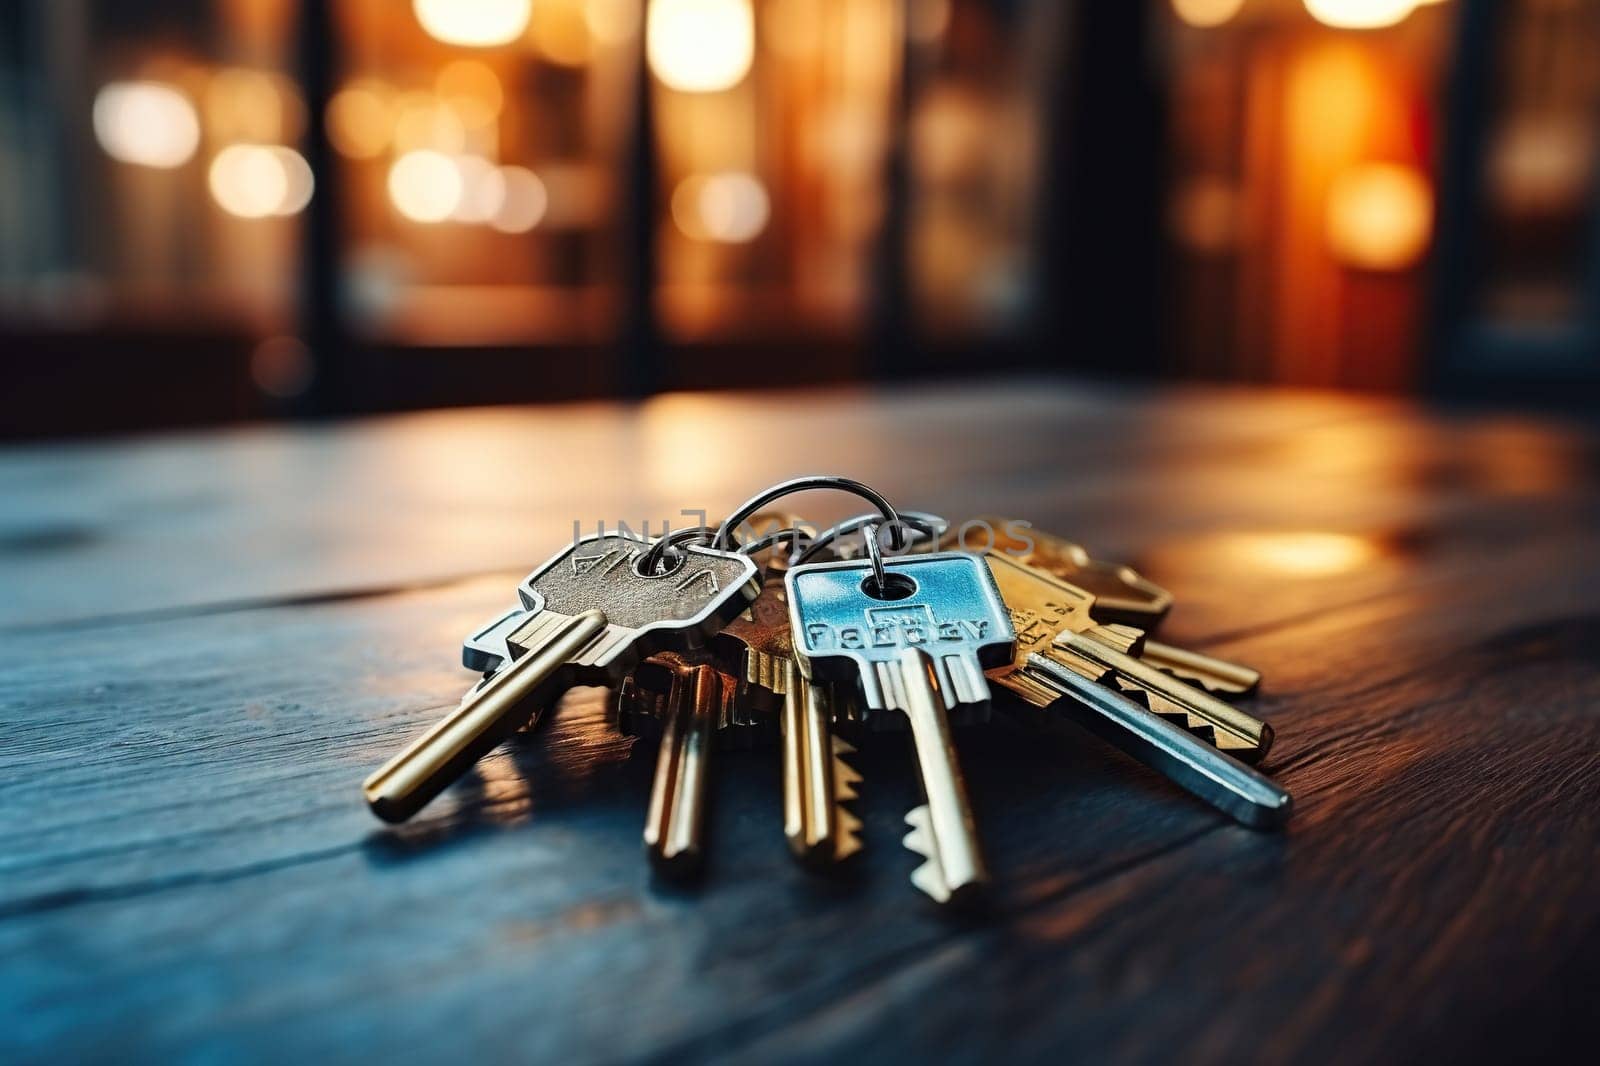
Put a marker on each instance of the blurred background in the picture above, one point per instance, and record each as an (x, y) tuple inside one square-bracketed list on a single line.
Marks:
[(216, 210)]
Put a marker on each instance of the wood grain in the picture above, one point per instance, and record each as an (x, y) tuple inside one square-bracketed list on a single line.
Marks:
[(210, 639)]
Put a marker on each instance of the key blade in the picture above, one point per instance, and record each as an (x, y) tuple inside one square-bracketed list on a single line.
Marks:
[(1230, 786), (1215, 675), (486, 716), (816, 779), (948, 835), (1248, 735), (675, 819)]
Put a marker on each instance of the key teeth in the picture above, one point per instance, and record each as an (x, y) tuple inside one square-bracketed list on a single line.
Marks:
[(1138, 695), (845, 778), (849, 836), (920, 840)]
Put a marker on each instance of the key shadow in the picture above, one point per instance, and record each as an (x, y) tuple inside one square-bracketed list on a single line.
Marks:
[(572, 761), (1055, 806)]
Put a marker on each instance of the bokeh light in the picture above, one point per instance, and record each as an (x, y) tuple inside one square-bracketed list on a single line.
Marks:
[(359, 121), (472, 91), (561, 31), (1360, 14), (523, 201), (260, 180), (1206, 13), (700, 46), (423, 121), (483, 190), (729, 208), (282, 367), (611, 21), (252, 106), (1204, 214), (1302, 553), (1380, 216), (474, 23), (425, 186), (146, 123)]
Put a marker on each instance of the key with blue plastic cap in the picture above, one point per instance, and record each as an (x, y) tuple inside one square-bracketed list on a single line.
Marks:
[(915, 642)]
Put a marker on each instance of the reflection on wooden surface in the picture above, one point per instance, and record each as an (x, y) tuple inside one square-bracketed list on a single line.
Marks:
[(210, 640)]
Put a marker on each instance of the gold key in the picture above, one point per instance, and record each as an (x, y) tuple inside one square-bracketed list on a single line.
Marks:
[(1064, 661), (1055, 619), (1121, 596), (690, 700), (817, 781)]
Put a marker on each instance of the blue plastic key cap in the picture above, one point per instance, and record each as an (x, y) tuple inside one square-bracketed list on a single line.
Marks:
[(917, 644)]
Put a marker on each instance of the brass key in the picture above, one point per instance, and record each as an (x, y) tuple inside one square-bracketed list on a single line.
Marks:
[(691, 700), (1121, 596), (817, 781), (1065, 661), (1056, 619)]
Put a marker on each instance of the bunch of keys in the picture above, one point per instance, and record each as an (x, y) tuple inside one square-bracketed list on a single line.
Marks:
[(707, 655)]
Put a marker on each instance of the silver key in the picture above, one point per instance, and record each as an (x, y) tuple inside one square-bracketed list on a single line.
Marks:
[(918, 646), (1240, 792), (586, 617)]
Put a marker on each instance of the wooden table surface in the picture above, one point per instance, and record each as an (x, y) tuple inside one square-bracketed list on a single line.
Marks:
[(210, 639)]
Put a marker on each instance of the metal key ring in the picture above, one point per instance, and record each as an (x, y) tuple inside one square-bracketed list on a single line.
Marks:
[(869, 534), (669, 543), (724, 537), (793, 534), (921, 521)]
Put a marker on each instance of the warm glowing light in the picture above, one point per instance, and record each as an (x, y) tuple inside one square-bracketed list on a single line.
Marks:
[(1542, 163), (1360, 14), (301, 184), (260, 180), (425, 186), (424, 122), (561, 31), (246, 105), (146, 123), (1304, 554), (1204, 214), (700, 46), (523, 201), (612, 21), (1380, 216), (483, 190), (474, 23), (792, 28), (472, 91), (577, 194), (359, 122), (730, 208), (1206, 13)]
